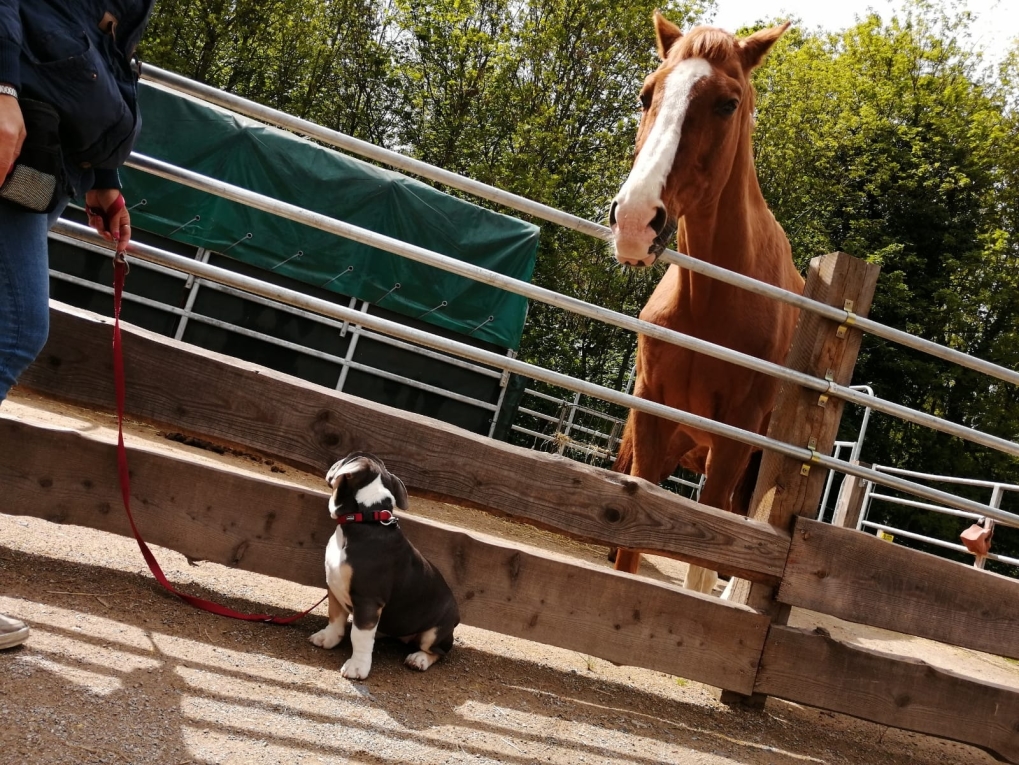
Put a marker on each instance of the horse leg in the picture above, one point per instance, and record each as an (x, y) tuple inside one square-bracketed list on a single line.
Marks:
[(653, 456), (727, 462), (726, 465)]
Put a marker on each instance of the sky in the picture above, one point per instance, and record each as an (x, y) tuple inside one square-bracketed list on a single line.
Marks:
[(996, 22)]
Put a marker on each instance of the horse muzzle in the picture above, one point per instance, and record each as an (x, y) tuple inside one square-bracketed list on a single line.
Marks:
[(643, 251), (639, 244)]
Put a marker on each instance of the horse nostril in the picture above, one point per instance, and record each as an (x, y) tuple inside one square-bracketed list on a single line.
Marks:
[(658, 222), (612, 214)]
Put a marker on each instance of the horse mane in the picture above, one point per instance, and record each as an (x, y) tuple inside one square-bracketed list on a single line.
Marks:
[(708, 43)]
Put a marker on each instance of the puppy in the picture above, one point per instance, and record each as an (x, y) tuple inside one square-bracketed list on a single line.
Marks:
[(374, 573)]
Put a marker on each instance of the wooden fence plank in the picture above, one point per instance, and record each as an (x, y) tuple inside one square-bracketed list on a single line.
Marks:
[(813, 668), (860, 578), (239, 519), (309, 427)]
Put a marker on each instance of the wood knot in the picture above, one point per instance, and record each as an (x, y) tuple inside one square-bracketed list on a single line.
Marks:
[(514, 566), (612, 515)]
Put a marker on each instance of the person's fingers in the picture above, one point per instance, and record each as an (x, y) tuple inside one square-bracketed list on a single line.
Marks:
[(120, 228), (125, 237), (98, 222), (12, 134)]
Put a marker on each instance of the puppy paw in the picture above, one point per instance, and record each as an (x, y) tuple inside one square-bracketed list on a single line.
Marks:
[(421, 660), (356, 668), (327, 638)]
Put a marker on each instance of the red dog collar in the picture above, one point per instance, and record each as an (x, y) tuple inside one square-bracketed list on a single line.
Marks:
[(384, 517)]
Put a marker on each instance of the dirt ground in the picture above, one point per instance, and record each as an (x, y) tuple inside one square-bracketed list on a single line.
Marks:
[(118, 671)]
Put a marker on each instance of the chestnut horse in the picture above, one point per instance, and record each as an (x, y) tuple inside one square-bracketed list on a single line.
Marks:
[(693, 173)]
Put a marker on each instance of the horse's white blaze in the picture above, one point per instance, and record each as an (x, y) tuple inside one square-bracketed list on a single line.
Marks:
[(641, 194), (374, 494)]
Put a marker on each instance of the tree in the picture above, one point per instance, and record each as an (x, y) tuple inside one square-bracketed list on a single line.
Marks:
[(888, 142)]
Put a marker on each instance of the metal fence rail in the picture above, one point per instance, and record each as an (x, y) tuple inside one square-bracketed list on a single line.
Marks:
[(936, 542), (485, 276), (567, 425), (346, 363), (481, 356), (484, 191), (997, 488)]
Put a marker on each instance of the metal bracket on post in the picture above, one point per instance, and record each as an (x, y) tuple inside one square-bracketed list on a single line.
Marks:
[(829, 375), (849, 321), (814, 455)]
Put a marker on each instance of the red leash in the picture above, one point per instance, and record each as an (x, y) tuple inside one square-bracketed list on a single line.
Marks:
[(119, 272)]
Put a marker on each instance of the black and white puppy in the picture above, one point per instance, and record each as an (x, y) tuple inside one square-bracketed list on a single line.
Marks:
[(376, 574)]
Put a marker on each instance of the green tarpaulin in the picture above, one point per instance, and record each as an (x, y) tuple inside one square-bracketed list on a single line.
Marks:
[(211, 141)]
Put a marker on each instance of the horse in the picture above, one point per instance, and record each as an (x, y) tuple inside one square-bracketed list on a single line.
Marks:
[(693, 176)]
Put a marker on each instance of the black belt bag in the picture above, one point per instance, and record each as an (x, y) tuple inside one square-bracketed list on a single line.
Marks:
[(37, 180)]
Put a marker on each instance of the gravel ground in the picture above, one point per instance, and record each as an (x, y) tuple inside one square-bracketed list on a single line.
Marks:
[(118, 671)]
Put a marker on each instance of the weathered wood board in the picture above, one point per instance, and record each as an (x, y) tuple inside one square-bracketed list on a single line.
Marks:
[(860, 578), (309, 427), (812, 668), (247, 521)]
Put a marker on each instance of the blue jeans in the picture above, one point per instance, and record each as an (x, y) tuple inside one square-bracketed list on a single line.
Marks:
[(24, 289)]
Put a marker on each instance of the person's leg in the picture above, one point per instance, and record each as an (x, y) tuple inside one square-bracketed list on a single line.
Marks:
[(24, 319), (24, 291)]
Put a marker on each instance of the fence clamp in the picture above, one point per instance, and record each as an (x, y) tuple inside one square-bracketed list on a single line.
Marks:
[(829, 375), (814, 457), (850, 320)]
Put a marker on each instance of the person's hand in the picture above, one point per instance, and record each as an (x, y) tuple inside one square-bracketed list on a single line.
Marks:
[(12, 134), (108, 214)]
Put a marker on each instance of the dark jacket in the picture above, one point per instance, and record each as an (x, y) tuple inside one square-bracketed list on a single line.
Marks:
[(76, 55)]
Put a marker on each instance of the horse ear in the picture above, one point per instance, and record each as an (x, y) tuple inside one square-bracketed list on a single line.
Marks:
[(667, 34), (753, 49)]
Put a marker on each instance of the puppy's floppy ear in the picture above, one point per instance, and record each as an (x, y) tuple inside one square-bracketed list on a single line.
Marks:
[(348, 466), (398, 490), (336, 475)]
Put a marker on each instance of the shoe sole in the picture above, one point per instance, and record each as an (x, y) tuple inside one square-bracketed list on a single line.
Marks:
[(15, 638)]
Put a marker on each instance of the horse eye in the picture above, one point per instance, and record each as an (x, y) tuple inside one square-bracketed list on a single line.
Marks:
[(645, 99), (727, 108)]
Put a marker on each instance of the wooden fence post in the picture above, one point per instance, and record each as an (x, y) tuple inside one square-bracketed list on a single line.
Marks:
[(850, 500), (787, 487)]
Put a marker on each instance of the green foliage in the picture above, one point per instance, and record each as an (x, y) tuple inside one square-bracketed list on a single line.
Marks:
[(885, 141), (889, 141), (329, 62)]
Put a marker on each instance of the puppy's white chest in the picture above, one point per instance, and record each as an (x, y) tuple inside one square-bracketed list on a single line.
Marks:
[(338, 571)]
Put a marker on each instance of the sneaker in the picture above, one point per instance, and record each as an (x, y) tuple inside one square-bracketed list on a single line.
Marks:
[(12, 632)]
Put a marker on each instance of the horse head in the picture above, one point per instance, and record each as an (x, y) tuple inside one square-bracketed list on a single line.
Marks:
[(697, 113)]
